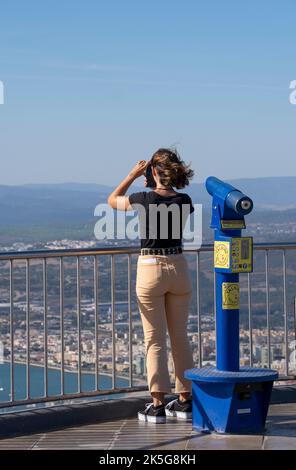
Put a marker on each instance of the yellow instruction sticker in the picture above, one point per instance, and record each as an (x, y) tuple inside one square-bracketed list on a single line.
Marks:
[(230, 295), (222, 254), (242, 254)]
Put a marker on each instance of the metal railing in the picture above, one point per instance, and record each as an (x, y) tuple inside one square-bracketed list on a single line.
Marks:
[(11, 259)]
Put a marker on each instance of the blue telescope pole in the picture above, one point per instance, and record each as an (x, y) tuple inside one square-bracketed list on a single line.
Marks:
[(227, 321)]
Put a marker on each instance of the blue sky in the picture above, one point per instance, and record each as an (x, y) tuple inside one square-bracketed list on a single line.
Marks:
[(92, 86)]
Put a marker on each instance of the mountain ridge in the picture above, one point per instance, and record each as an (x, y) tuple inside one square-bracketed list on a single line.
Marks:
[(75, 202)]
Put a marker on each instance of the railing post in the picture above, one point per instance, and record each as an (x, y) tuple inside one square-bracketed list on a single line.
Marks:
[(267, 306), (130, 320), (113, 321), (96, 323), (78, 321), (45, 329), (285, 314), (28, 327), (250, 320), (62, 333), (11, 324), (198, 308)]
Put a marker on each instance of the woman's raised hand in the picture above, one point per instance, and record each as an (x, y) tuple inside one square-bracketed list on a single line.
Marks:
[(139, 168)]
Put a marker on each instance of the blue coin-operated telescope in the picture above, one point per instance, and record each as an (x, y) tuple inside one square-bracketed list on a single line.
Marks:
[(227, 398)]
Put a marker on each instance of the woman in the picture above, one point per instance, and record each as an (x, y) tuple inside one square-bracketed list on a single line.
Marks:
[(163, 285)]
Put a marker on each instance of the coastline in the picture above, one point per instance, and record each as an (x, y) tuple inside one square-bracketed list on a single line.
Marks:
[(72, 371)]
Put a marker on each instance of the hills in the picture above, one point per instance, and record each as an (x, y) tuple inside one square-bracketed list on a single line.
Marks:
[(72, 204), (75, 202)]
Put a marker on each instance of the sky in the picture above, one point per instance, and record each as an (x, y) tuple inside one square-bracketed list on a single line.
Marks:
[(92, 86)]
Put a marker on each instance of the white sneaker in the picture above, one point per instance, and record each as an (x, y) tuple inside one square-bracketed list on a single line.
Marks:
[(152, 414), (178, 409)]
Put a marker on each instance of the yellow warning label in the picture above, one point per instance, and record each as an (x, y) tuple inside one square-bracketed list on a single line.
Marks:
[(222, 254), (230, 295)]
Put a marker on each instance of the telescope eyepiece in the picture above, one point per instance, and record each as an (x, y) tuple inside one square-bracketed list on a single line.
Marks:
[(246, 204)]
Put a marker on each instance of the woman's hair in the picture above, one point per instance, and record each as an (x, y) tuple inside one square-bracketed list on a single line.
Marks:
[(171, 169)]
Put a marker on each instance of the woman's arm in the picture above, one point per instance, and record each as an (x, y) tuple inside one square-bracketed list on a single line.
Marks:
[(117, 199)]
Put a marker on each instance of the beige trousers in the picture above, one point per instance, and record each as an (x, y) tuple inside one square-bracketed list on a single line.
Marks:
[(164, 292)]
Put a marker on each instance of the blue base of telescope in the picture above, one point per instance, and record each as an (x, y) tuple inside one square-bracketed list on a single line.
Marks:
[(230, 402)]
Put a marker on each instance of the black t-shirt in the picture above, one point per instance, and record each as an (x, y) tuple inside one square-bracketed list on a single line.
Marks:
[(161, 227)]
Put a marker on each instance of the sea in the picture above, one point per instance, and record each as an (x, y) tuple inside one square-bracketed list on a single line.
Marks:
[(53, 381)]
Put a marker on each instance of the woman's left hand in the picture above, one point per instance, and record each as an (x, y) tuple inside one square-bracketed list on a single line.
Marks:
[(139, 168)]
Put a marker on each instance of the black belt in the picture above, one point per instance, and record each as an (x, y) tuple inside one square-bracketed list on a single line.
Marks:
[(161, 251)]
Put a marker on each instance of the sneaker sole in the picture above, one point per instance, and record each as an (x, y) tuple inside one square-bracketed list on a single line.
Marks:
[(183, 415), (178, 414), (151, 419), (170, 413), (141, 417)]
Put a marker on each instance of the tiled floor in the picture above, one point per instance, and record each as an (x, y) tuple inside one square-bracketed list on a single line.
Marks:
[(131, 434)]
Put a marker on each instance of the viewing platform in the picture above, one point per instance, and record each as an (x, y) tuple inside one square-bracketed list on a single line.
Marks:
[(113, 424), (70, 324)]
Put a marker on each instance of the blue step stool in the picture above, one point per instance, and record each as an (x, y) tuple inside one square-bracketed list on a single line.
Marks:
[(230, 402)]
